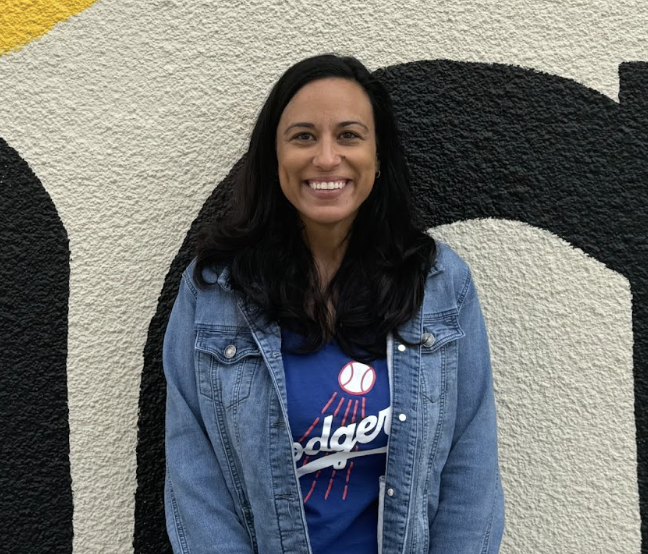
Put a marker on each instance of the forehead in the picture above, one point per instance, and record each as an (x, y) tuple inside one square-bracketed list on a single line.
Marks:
[(329, 99)]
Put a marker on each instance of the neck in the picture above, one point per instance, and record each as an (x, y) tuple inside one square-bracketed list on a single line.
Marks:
[(328, 245)]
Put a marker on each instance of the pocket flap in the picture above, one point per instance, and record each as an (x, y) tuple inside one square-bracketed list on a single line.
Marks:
[(228, 344), (439, 329)]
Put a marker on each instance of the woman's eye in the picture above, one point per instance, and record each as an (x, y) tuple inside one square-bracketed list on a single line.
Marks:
[(303, 136), (348, 135)]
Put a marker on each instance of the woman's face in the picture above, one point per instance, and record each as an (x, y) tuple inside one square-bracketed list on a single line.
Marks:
[(326, 152)]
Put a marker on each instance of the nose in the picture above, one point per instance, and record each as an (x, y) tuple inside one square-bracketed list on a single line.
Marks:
[(326, 155)]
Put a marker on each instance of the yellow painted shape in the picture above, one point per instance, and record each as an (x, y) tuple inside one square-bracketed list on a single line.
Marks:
[(25, 20)]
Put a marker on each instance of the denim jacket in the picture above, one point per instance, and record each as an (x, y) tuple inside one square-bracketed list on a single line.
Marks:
[(231, 483)]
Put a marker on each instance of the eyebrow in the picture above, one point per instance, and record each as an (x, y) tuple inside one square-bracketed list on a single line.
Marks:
[(348, 123), (299, 124), (311, 126)]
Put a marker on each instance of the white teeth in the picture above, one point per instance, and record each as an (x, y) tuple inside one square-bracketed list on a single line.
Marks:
[(326, 185)]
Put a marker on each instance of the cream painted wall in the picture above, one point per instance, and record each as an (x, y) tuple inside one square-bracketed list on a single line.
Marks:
[(131, 112)]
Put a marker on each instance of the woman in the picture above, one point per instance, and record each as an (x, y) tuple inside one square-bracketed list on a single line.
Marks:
[(328, 377)]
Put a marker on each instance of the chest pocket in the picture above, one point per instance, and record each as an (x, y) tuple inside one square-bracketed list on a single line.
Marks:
[(228, 359), (439, 352)]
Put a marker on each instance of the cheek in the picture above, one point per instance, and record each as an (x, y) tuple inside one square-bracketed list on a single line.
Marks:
[(288, 165), (371, 167)]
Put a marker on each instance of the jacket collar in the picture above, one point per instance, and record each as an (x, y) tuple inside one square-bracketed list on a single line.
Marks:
[(224, 278), (436, 268)]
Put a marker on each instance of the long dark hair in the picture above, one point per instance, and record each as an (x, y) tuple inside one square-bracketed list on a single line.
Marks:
[(380, 282)]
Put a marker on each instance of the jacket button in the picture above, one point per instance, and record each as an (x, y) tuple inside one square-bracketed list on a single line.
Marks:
[(428, 340), (230, 351), (390, 492), (401, 348), (402, 417)]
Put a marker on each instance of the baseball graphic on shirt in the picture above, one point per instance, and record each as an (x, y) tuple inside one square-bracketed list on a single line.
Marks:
[(357, 378)]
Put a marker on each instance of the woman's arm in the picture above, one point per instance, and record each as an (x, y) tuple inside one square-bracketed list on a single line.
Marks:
[(470, 515), (200, 511)]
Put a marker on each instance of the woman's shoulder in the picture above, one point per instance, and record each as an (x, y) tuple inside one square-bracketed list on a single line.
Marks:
[(448, 261), (448, 281)]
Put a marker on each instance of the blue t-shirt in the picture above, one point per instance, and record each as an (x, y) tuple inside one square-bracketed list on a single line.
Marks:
[(339, 413)]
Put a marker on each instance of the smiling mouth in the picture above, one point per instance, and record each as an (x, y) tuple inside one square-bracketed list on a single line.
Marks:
[(326, 185)]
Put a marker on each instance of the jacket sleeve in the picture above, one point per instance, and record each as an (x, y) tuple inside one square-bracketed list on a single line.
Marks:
[(470, 515), (201, 514)]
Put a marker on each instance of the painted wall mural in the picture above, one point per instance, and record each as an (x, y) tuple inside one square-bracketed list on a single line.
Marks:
[(22, 21), (35, 484), (121, 132)]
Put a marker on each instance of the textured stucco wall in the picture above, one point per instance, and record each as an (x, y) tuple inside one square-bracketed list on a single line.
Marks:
[(129, 114)]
